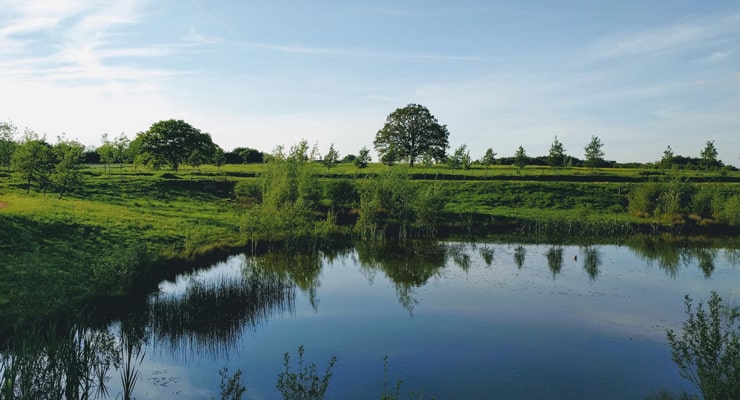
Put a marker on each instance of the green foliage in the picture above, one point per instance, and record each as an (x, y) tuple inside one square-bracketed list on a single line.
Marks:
[(410, 132), (363, 158), (342, 193), (709, 156), (7, 144), (175, 142), (34, 160), (708, 351), (67, 173), (489, 158), (556, 157), (306, 383), (390, 204), (460, 158), (331, 158), (232, 387), (520, 159), (594, 153)]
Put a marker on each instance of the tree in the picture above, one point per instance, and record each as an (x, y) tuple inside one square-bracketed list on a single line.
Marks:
[(409, 132), (556, 158), (363, 158), (7, 143), (489, 158), (709, 156), (594, 153), (708, 351), (389, 157), (520, 159), (331, 158), (668, 157), (174, 142), (34, 160), (67, 171), (460, 158), (107, 152), (219, 157), (120, 151)]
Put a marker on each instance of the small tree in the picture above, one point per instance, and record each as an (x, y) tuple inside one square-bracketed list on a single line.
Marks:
[(120, 151), (34, 160), (363, 158), (460, 158), (556, 157), (331, 158), (668, 156), (520, 159), (219, 157), (489, 158), (708, 351), (107, 152), (67, 171), (594, 153), (7, 143), (709, 156)]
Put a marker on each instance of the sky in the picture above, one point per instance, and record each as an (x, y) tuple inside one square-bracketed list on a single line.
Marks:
[(640, 75)]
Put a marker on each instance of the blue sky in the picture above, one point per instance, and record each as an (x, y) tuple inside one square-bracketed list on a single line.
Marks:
[(641, 75)]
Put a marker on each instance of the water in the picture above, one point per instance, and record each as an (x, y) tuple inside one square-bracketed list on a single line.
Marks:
[(456, 320)]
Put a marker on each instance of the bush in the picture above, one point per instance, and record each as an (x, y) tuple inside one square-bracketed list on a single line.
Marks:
[(708, 352)]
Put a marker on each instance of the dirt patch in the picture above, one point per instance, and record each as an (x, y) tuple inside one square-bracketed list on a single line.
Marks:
[(3, 205)]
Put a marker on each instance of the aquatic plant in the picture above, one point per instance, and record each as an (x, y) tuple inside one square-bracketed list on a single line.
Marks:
[(708, 350), (305, 384)]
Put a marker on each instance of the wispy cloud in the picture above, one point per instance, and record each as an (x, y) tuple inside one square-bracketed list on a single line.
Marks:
[(689, 33), (325, 51)]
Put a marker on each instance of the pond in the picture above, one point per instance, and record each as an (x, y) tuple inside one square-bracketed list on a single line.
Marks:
[(455, 320)]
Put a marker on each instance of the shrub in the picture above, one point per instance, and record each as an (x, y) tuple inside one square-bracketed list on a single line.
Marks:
[(708, 352)]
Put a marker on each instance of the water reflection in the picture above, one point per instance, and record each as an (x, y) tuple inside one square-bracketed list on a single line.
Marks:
[(591, 262), (519, 254), (555, 260), (408, 264), (210, 315)]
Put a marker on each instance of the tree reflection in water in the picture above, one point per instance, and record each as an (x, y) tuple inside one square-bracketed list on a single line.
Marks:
[(555, 260), (591, 262), (77, 361), (407, 264), (519, 254)]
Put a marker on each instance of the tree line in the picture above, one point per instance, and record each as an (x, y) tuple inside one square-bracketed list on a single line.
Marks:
[(410, 134)]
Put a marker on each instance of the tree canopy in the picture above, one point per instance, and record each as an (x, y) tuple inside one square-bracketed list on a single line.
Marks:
[(556, 157), (410, 132), (175, 142), (594, 153)]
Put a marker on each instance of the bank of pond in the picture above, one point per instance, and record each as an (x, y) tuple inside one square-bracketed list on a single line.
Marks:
[(451, 319)]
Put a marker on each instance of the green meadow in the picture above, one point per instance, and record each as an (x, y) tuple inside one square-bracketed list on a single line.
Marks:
[(125, 227)]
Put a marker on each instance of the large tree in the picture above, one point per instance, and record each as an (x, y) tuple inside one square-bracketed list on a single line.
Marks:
[(175, 142), (594, 153), (411, 131)]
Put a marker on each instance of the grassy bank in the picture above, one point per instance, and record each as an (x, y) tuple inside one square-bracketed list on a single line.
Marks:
[(105, 238)]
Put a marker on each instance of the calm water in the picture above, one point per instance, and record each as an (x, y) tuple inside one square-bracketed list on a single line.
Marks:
[(455, 320)]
